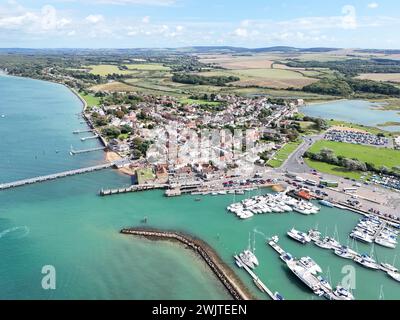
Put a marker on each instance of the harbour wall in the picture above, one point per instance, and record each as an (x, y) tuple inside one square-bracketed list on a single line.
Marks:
[(224, 273)]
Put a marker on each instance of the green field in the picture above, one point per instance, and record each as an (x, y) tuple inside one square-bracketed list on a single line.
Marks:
[(90, 99), (199, 102), (133, 69), (334, 170), (284, 153), (144, 175), (377, 156), (148, 67)]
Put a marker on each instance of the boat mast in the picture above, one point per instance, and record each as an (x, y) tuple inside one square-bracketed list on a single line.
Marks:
[(254, 242), (336, 234), (381, 294)]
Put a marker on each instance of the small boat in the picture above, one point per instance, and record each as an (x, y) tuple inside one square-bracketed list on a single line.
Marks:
[(366, 261), (3, 115), (343, 294), (361, 236), (315, 235), (385, 242), (252, 257), (278, 296), (394, 275), (324, 283), (324, 244), (286, 257), (326, 203), (388, 267), (310, 265), (344, 253), (246, 261), (299, 236)]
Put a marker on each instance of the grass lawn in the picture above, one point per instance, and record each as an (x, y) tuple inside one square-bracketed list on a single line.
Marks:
[(90, 99), (199, 102), (334, 170), (283, 154), (377, 156), (144, 175)]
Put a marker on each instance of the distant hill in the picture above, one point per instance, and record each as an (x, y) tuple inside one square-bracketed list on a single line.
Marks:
[(195, 49)]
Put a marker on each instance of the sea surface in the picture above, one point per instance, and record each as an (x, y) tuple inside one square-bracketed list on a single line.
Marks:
[(355, 111), (65, 224)]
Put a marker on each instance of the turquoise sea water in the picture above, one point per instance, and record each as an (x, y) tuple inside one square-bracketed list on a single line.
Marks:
[(355, 111), (64, 223)]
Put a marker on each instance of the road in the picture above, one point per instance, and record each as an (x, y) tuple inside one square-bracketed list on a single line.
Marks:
[(370, 196), (295, 162)]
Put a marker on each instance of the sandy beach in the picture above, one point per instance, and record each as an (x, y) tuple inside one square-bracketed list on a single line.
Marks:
[(113, 156)]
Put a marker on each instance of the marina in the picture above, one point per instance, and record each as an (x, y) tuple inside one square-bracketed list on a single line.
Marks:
[(372, 229), (309, 273), (271, 203), (339, 250)]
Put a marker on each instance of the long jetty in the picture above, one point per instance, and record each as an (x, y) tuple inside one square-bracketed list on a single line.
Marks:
[(256, 279), (90, 138), (82, 131), (130, 189), (55, 176), (224, 273), (74, 152)]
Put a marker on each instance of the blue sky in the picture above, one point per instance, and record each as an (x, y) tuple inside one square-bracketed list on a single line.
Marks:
[(177, 23)]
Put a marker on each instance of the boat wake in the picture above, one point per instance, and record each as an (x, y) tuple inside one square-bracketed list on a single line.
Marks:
[(16, 232)]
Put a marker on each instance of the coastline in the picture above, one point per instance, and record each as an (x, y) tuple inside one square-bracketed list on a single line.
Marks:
[(223, 272)]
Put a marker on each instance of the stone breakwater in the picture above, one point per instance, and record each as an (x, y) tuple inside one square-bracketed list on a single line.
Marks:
[(223, 272)]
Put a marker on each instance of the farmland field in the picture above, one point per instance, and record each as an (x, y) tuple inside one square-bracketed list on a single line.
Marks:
[(148, 67), (272, 78), (113, 87), (133, 69), (392, 77), (105, 69)]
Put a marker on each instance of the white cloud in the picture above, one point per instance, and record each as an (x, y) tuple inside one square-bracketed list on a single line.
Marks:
[(94, 18), (373, 5), (146, 19), (45, 20), (349, 20), (241, 32)]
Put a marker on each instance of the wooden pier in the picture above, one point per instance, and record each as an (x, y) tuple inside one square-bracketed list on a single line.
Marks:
[(256, 279), (130, 189), (74, 152), (55, 176), (82, 131), (276, 247), (90, 138)]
